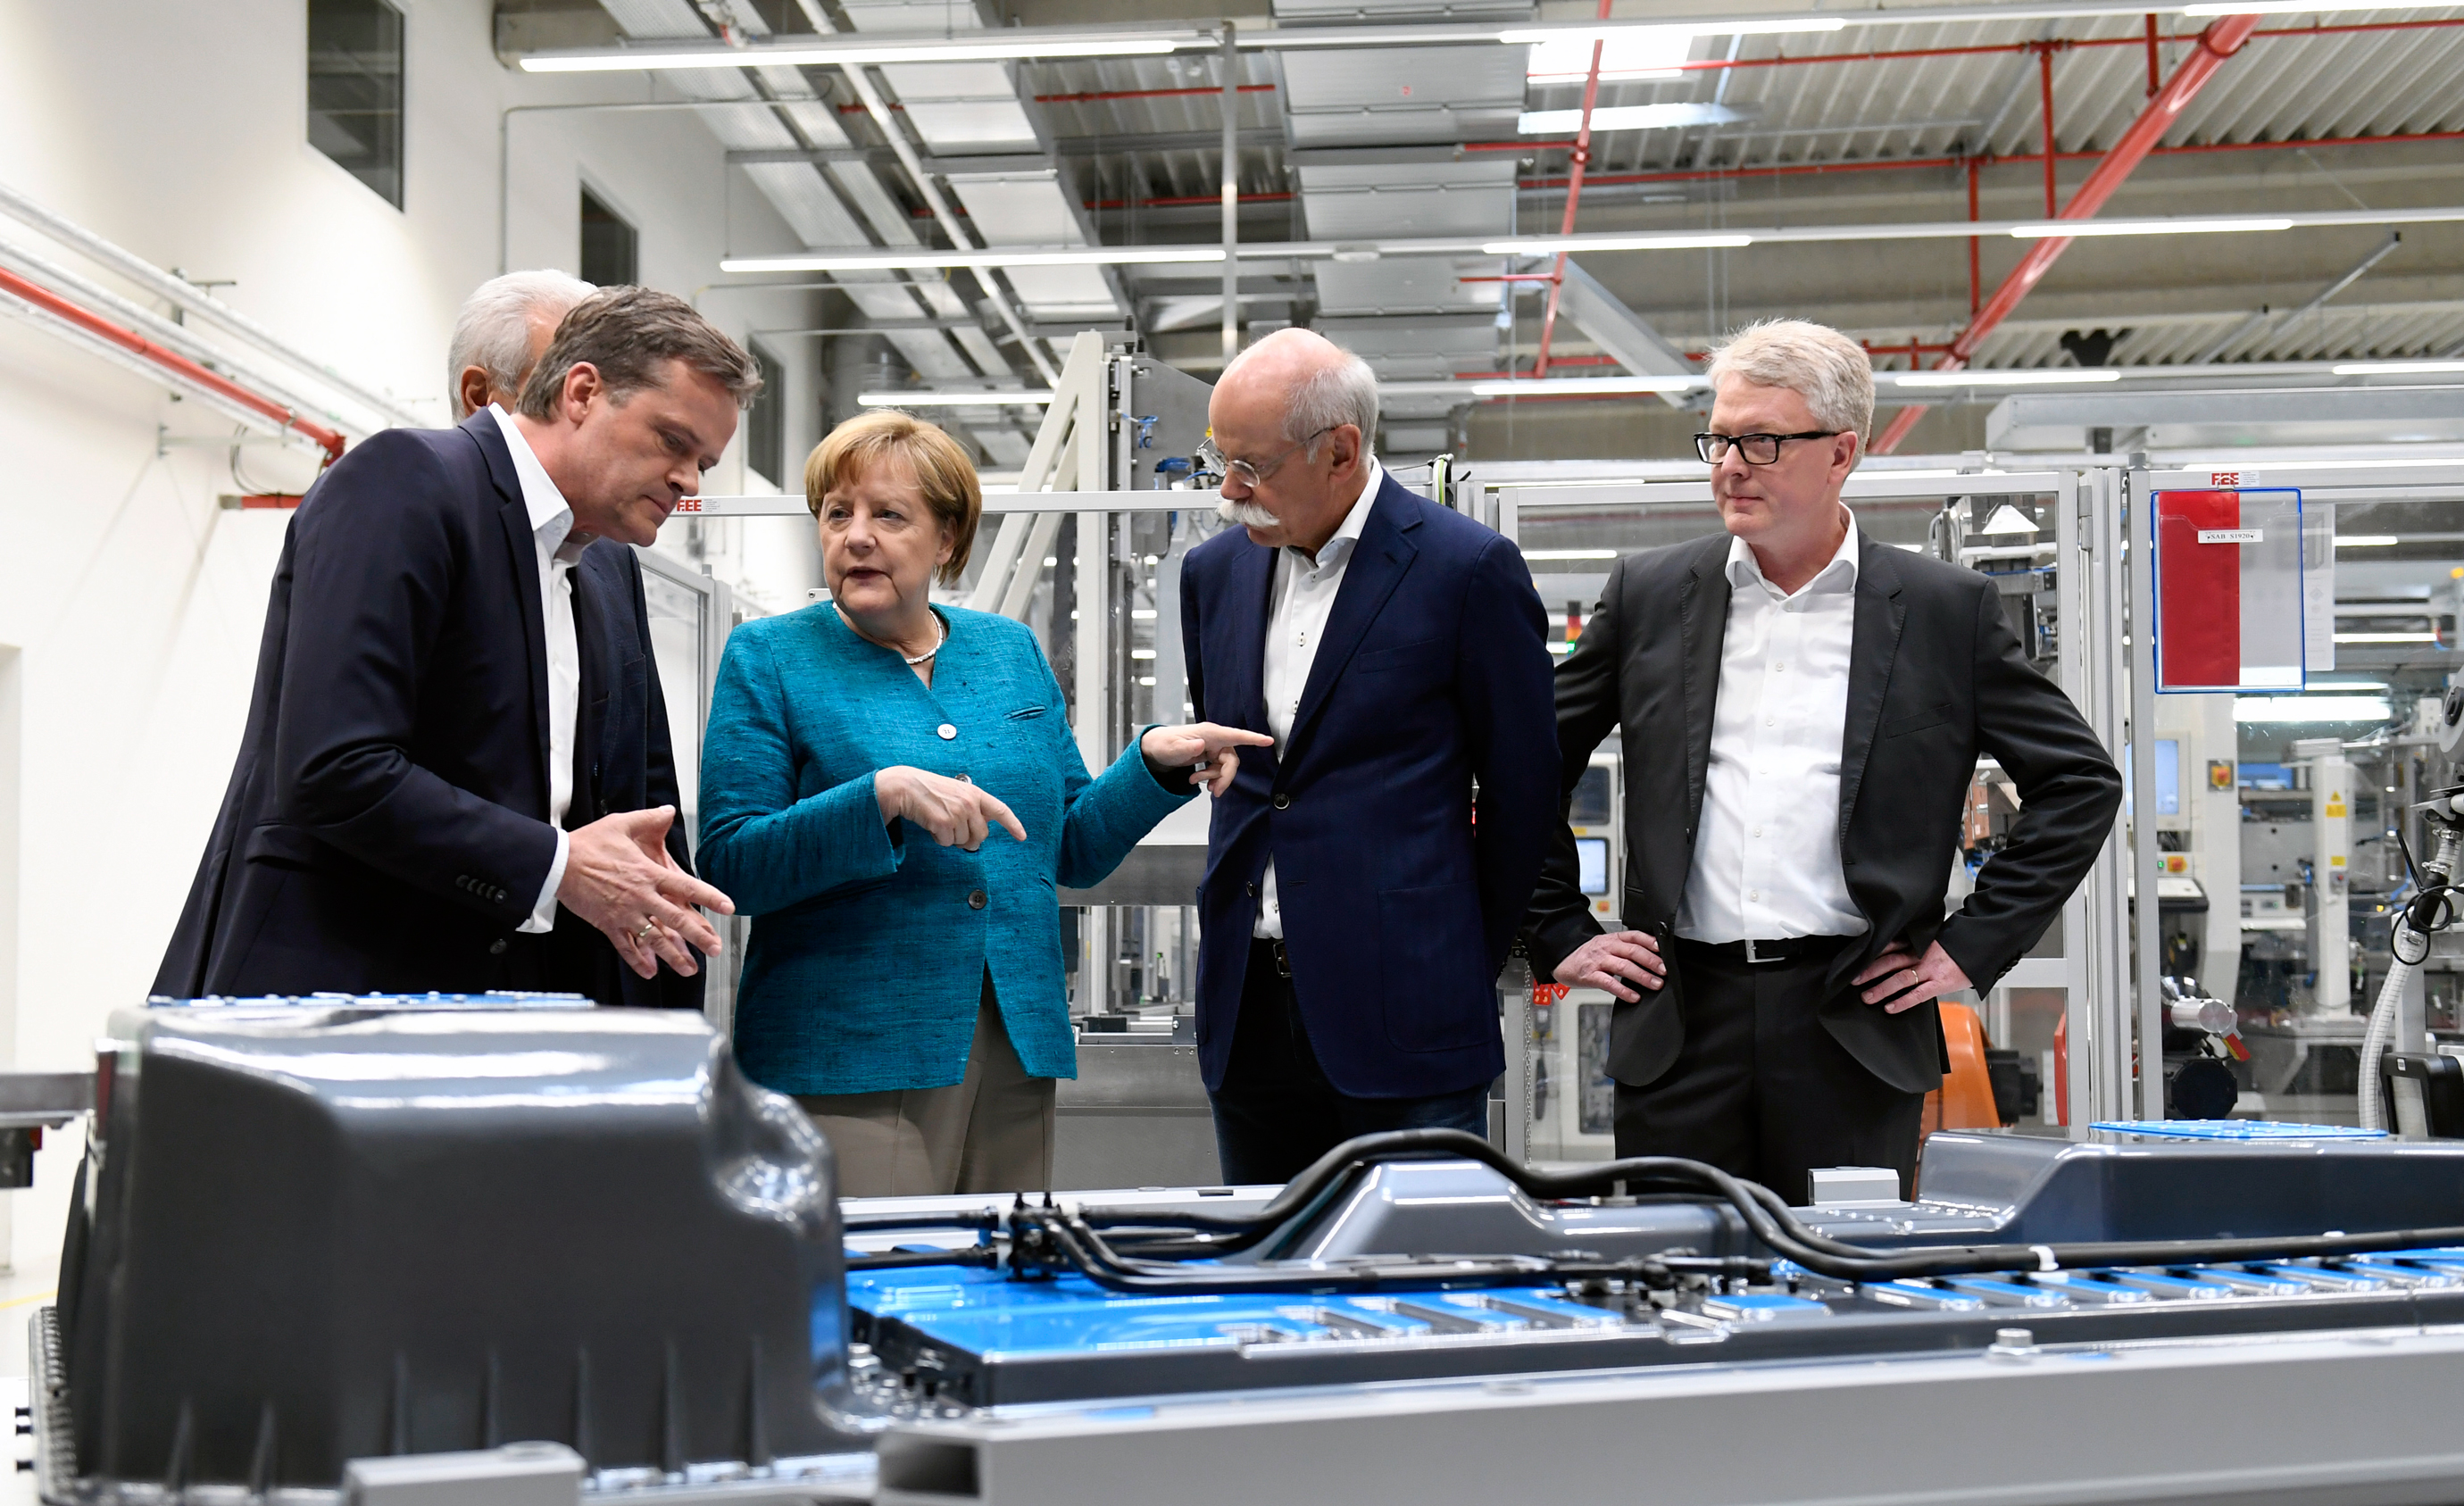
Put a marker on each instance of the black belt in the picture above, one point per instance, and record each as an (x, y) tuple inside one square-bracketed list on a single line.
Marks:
[(1271, 947), (1761, 954)]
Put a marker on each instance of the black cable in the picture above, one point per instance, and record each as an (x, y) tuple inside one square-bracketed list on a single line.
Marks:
[(1070, 1240), (901, 1260)]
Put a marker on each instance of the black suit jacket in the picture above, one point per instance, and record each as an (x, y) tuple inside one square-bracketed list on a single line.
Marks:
[(1402, 894), (1935, 677), (385, 828)]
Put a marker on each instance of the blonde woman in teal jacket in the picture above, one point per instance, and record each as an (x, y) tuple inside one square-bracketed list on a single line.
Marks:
[(891, 790)]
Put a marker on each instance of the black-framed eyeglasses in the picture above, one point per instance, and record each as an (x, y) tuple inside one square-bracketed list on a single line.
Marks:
[(1250, 475), (1758, 449)]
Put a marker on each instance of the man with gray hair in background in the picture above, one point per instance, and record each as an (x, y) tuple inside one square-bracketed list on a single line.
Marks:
[(503, 328), (1354, 915), (1801, 709)]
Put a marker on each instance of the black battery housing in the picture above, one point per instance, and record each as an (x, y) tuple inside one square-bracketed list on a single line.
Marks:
[(308, 1232)]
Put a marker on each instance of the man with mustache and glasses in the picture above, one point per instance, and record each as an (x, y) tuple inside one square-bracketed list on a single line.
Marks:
[(1354, 914)]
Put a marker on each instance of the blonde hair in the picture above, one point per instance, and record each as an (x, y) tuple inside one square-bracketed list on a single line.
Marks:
[(943, 472), (1830, 371)]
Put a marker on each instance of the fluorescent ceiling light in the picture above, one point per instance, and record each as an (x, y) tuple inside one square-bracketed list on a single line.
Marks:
[(2386, 638), (2395, 368), (1570, 554), (2365, 540), (2343, 687), (1626, 118), (1595, 386), (2296, 7), (2311, 708), (951, 400), (1550, 245), (2047, 230), (996, 256), (840, 55), (1585, 32), (1645, 52), (2055, 376)]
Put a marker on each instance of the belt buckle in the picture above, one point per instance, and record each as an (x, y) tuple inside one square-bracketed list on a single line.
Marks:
[(1752, 958)]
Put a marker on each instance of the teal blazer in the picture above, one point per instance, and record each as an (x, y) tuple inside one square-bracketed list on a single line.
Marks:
[(871, 943)]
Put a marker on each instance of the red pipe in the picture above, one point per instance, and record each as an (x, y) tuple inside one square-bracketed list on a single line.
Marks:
[(171, 360), (2218, 42), (1900, 53), (2045, 76), (1975, 249), (1582, 159), (2155, 61), (1898, 163)]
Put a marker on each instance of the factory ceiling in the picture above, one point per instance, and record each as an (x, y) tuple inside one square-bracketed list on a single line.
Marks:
[(1436, 135)]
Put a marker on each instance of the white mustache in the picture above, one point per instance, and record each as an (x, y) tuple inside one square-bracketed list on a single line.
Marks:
[(1246, 514)]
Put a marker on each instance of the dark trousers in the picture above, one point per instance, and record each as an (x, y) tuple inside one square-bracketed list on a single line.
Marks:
[(1276, 1112), (1760, 1088)]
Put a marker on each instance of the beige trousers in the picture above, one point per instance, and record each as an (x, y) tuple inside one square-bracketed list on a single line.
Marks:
[(991, 1132)]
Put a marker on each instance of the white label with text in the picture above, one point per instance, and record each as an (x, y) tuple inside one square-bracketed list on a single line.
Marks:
[(2232, 535)]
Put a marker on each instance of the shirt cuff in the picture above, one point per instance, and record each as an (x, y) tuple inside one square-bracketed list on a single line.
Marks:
[(543, 913)]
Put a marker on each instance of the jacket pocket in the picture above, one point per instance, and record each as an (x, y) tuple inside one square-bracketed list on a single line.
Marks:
[(1433, 960), (1402, 656), (1934, 715), (1025, 714)]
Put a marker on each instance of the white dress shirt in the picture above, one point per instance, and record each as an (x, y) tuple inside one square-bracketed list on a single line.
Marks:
[(1304, 597), (551, 534), (1766, 849)]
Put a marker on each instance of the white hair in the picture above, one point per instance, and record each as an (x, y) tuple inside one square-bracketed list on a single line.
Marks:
[(1830, 371), (493, 332), (1341, 391)]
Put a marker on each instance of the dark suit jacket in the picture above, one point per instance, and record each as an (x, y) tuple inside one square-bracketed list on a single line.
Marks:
[(1935, 677), (385, 828), (1398, 910)]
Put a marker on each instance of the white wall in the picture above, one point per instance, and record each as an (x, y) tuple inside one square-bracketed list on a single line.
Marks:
[(131, 601)]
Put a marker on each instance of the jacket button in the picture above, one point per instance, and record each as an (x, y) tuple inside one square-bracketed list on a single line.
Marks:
[(1252, 888), (497, 947), (976, 900), (1282, 802), (966, 779), (946, 732)]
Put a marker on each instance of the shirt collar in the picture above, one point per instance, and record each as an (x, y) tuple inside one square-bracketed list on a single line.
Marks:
[(551, 517), (1337, 549), (1839, 575)]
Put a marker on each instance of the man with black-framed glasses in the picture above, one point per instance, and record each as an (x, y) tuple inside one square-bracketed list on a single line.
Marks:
[(1801, 710), (1365, 874)]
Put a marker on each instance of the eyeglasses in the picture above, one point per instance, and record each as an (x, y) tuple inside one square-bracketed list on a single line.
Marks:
[(1248, 475), (1758, 449)]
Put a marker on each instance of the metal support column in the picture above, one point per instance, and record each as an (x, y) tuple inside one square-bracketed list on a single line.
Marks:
[(2088, 535), (1231, 196), (2146, 931)]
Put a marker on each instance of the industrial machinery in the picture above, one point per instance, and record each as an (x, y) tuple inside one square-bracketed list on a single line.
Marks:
[(440, 1250)]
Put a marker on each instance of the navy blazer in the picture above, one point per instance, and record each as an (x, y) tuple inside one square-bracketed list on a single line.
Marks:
[(1399, 910), (385, 828)]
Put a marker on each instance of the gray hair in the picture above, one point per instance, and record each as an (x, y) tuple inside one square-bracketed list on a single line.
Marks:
[(1830, 372), (1343, 390), (493, 332)]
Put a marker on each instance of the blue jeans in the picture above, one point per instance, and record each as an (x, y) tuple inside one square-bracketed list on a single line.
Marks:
[(1276, 1112)]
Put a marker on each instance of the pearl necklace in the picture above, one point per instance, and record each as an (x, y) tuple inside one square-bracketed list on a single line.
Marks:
[(928, 653)]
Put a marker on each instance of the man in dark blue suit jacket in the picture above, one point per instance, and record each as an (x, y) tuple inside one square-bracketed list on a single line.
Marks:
[(397, 822), (1364, 876)]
